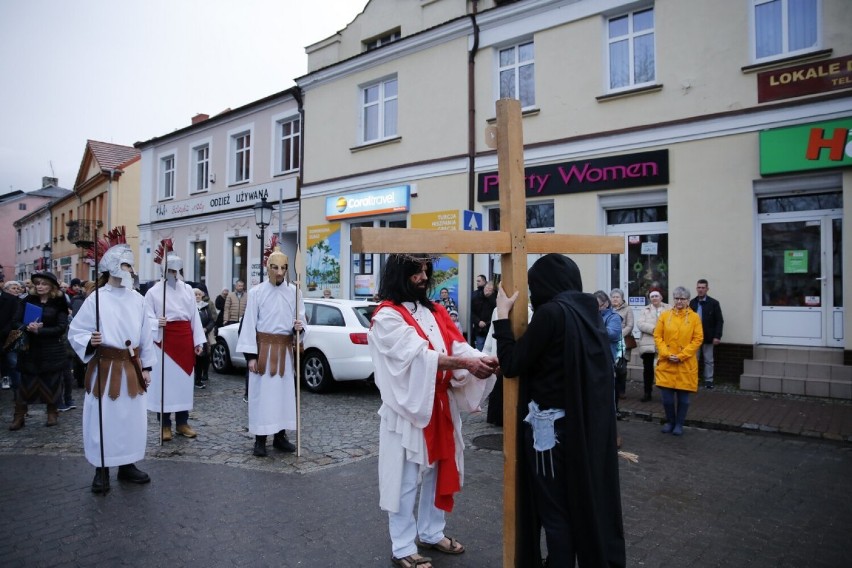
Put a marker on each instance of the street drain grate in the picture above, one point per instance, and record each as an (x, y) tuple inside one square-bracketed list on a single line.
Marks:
[(489, 441)]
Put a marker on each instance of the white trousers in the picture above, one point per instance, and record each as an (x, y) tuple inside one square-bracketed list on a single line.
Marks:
[(430, 522)]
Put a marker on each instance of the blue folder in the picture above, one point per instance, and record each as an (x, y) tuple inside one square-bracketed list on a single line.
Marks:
[(31, 313)]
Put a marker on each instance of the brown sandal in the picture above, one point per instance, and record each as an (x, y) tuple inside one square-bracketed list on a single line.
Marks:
[(410, 561), (455, 546)]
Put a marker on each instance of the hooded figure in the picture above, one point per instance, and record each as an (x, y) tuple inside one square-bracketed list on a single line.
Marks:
[(567, 431)]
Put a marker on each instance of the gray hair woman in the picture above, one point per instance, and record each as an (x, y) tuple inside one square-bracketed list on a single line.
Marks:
[(678, 337), (647, 349), (619, 306)]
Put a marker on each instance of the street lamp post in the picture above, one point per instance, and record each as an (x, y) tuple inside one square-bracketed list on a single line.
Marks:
[(262, 217), (45, 254)]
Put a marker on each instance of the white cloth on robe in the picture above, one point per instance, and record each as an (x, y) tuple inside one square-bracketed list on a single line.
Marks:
[(405, 374), (271, 399), (179, 385), (125, 424)]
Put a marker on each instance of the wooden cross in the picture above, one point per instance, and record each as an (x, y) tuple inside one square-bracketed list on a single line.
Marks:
[(514, 243)]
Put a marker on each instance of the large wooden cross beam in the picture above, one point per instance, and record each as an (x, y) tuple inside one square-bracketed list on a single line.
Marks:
[(514, 243)]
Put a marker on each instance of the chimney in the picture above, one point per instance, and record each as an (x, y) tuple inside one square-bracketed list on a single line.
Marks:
[(49, 181), (200, 118)]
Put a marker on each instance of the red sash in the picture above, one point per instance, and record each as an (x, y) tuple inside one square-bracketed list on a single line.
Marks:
[(439, 433), (179, 345)]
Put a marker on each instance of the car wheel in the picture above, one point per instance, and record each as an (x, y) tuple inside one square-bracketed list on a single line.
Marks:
[(220, 358), (316, 372)]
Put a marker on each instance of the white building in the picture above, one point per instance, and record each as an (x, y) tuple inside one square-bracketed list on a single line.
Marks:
[(199, 185)]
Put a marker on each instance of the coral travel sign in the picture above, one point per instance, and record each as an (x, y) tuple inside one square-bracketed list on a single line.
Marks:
[(364, 203), (807, 79), (224, 200), (613, 172), (813, 146)]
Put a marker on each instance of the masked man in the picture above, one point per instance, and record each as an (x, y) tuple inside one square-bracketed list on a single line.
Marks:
[(181, 334), (272, 317), (119, 350)]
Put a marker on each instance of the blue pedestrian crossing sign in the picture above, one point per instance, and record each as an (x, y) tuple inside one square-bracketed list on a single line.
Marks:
[(472, 220)]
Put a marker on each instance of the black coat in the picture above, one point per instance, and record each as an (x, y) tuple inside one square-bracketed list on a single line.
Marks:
[(8, 311), (482, 309), (47, 351), (711, 317), (563, 361)]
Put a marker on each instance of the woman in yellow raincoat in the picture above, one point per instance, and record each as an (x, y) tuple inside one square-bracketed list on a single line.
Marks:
[(678, 337)]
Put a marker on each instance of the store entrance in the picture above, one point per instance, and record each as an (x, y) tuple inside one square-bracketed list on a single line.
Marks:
[(645, 262), (801, 268)]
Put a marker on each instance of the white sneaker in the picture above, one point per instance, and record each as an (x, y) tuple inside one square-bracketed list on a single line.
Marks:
[(5, 382)]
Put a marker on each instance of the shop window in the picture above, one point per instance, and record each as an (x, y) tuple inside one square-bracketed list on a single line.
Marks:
[(637, 215), (806, 202), (239, 260), (539, 217), (199, 271)]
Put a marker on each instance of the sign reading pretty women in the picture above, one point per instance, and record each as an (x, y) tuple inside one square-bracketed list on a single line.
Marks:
[(612, 172)]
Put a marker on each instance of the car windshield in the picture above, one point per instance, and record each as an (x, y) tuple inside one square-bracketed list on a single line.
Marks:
[(364, 313)]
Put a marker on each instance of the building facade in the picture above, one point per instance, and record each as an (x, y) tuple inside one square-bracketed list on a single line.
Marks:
[(107, 192), (711, 136), (200, 185), (29, 221)]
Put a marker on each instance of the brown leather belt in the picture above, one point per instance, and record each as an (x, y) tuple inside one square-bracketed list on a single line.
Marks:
[(272, 347), (111, 363)]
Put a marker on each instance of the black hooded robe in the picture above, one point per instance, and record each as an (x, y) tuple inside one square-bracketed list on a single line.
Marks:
[(564, 360)]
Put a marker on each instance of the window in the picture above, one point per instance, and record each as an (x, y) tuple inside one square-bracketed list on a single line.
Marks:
[(167, 177), (378, 111), (785, 27), (516, 69), (289, 145), (199, 272), (630, 39), (382, 40), (540, 216), (22, 206), (201, 169), (241, 145)]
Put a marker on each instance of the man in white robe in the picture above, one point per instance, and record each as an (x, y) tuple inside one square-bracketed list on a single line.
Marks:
[(427, 374), (122, 322), (184, 335), (267, 340)]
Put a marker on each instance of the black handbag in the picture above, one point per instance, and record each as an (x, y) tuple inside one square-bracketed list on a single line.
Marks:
[(17, 341)]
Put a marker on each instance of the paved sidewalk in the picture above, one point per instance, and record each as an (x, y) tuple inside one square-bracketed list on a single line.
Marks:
[(728, 408)]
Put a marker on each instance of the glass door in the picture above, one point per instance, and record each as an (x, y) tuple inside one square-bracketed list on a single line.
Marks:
[(645, 261), (801, 280)]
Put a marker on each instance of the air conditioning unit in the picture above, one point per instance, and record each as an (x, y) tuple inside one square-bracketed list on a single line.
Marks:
[(211, 178)]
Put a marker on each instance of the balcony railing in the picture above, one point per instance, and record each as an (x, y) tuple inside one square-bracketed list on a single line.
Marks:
[(82, 232)]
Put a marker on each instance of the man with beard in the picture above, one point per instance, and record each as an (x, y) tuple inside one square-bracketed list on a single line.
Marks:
[(427, 374), (569, 470), (271, 319)]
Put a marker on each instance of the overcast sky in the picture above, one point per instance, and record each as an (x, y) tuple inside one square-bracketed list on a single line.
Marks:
[(125, 71)]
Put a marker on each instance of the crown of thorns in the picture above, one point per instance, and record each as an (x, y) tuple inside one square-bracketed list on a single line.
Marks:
[(416, 257)]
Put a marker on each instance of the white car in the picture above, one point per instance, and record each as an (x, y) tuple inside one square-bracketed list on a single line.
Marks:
[(335, 346)]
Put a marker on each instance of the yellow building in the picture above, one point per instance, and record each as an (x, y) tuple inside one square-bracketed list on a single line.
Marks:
[(711, 136)]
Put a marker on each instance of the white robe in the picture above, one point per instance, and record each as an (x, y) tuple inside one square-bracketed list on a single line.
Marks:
[(271, 399), (179, 385), (124, 422), (405, 374)]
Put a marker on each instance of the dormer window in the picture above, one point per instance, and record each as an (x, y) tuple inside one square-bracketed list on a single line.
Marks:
[(382, 40)]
